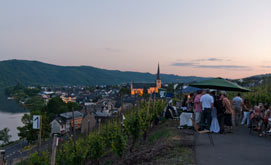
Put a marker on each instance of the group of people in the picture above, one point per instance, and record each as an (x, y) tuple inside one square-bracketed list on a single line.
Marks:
[(212, 111), (260, 117), (215, 112)]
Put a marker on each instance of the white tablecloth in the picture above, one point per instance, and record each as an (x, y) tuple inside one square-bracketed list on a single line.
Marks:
[(185, 119)]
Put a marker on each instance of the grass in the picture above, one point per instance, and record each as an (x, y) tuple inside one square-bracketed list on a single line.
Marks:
[(160, 134), (29, 147), (177, 156)]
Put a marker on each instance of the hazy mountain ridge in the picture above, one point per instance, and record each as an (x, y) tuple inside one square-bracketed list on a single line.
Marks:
[(39, 73)]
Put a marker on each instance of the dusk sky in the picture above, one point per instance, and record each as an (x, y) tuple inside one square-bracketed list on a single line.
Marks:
[(210, 38)]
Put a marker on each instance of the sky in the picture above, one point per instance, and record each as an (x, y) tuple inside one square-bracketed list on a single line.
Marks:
[(210, 38)]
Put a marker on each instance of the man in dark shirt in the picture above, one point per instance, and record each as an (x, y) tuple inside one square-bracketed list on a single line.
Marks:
[(220, 112)]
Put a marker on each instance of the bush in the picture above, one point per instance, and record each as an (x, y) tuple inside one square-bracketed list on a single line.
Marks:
[(96, 148)]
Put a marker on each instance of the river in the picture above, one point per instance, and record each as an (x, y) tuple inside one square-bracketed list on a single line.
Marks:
[(10, 116), (11, 121)]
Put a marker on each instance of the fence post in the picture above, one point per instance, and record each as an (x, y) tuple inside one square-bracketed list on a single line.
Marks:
[(55, 141)]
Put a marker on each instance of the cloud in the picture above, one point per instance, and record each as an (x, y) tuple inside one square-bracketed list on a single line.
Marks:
[(222, 66), (196, 65), (187, 64), (214, 59), (210, 59), (266, 67), (112, 50)]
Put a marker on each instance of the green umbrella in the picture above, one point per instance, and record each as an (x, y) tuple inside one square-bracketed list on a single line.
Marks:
[(220, 84)]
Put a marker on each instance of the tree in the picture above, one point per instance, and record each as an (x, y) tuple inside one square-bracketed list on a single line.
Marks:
[(27, 132), (72, 106), (125, 91), (170, 88), (54, 107), (35, 103), (4, 135)]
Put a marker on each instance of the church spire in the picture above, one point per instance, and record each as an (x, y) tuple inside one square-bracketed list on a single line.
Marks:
[(158, 73)]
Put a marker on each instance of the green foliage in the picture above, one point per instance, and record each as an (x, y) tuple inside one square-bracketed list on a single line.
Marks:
[(4, 135), (27, 95), (108, 134), (158, 135), (125, 91), (260, 93), (36, 159), (175, 100), (66, 154), (34, 103), (119, 143), (27, 132), (96, 148), (170, 88), (132, 125), (56, 106), (113, 138), (145, 118)]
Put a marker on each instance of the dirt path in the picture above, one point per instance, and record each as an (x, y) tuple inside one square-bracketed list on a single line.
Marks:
[(234, 149)]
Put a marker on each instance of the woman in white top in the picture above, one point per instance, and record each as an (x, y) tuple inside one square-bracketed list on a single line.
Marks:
[(214, 124)]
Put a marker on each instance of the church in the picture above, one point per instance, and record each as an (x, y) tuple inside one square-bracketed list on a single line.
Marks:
[(138, 88)]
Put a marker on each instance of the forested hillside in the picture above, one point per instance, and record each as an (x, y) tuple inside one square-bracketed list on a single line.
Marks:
[(38, 73)]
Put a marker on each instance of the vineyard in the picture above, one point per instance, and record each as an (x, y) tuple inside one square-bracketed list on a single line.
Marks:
[(260, 91), (114, 138)]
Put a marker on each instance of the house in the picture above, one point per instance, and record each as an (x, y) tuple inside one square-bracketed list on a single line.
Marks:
[(88, 123), (102, 116), (67, 117), (127, 106), (140, 88), (67, 99), (58, 126), (64, 122)]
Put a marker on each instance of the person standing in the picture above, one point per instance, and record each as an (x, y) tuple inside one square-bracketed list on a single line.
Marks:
[(220, 112), (207, 103), (185, 103), (197, 107), (228, 113), (246, 109), (214, 124), (237, 102)]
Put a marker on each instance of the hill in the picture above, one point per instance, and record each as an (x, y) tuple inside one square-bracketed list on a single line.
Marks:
[(39, 73), (254, 81)]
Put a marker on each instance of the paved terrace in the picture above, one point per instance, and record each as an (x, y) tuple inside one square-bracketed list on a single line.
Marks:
[(238, 148)]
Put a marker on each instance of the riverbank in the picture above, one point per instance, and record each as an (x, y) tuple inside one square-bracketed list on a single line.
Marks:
[(8, 105)]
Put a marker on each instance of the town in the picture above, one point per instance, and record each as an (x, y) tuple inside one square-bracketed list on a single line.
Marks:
[(91, 107)]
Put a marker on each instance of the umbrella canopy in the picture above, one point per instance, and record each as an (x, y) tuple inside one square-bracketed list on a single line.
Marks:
[(220, 84), (190, 90)]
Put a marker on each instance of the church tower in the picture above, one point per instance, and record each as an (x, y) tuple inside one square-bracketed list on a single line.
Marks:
[(158, 80)]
